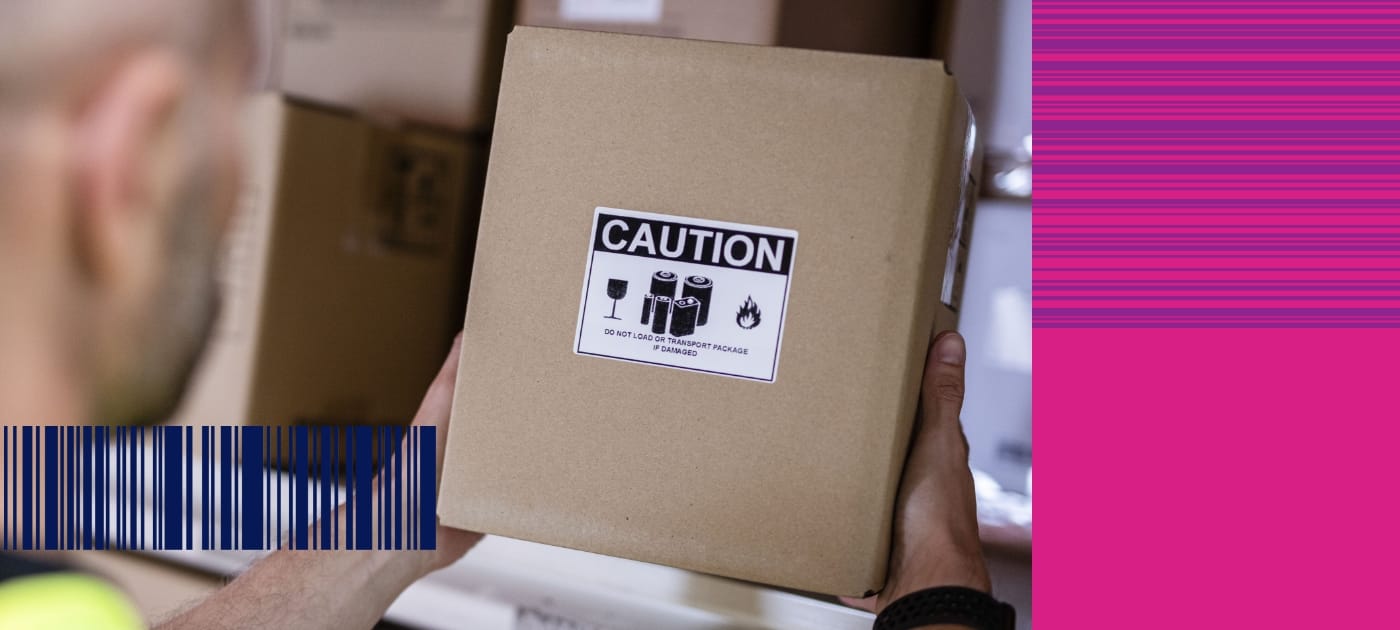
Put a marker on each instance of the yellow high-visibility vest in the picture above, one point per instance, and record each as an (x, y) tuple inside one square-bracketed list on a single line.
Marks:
[(65, 601)]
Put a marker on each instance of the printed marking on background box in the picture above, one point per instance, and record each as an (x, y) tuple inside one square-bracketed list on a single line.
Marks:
[(727, 317)]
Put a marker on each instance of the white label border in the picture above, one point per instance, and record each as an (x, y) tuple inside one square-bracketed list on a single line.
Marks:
[(588, 277)]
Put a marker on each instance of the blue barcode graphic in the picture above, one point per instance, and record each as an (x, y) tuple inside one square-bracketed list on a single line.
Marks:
[(219, 487)]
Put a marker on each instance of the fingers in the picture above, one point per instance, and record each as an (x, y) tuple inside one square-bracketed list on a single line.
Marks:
[(437, 402), (436, 408), (864, 603)]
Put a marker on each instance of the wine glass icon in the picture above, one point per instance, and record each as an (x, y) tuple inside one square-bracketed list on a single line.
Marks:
[(617, 289)]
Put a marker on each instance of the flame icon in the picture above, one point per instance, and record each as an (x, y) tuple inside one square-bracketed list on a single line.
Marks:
[(748, 316)]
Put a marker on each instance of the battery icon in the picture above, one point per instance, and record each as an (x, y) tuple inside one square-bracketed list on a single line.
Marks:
[(664, 283), (683, 315), (661, 308), (699, 287), (646, 309)]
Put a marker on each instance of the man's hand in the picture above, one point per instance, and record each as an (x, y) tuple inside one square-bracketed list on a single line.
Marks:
[(336, 589), (935, 528), (435, 411)]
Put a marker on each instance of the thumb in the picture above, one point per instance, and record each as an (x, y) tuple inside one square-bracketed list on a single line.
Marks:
[(944, 383), (935, 539), (938, 447)]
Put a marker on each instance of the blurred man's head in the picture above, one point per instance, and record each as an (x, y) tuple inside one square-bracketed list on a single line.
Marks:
[(118, 172)]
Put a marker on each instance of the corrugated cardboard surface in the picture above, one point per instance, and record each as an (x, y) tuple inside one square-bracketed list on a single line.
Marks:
[(431, 62), (341, 275), (792, 482)]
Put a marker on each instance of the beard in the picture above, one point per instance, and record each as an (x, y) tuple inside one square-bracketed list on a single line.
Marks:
[(184, 310)]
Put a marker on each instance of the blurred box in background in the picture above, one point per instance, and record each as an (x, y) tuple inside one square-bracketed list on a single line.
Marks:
[(889, 27), (996, 319), (877, 27), (342, 277), (988, 46), (435, 61), (742, 21)]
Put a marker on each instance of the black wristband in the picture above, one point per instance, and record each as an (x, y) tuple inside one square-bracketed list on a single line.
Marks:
[(947, 605)]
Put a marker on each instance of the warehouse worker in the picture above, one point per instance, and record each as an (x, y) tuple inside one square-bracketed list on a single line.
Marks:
[(118, 173)]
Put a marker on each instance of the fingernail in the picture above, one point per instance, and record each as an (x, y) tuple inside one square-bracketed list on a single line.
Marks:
[(950, 349)]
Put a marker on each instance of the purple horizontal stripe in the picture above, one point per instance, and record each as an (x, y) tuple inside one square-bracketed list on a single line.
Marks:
[(1197, 157), (1138, 324), (1314, 311), (1293, 255), (1050, 290), (1265, 269), (1120, 298), (1271, 226)]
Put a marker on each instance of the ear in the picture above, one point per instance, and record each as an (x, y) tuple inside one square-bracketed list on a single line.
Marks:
[(124, 163)]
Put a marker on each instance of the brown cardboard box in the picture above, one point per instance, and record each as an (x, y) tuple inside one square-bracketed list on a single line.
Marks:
[(773, 452), (889, 27), (433, 62), (341, 272)]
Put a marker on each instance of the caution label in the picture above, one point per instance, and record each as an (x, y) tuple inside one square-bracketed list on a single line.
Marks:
[(692, 294)]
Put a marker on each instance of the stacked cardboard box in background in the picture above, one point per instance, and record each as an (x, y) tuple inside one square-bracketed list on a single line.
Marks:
[(887, 27), (741, 21), (346, 270), (989, 43), (429, 62), (877, 27), (342, 280)]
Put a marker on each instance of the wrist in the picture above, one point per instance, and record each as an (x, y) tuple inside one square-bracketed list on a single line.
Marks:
[(974, 578), (406, 564), (947, 607), (942, 560), (413, 565)]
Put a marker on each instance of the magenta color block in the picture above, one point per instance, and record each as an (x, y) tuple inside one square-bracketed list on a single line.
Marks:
[(1217, 288), (1216, 478), (1217, 164)]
